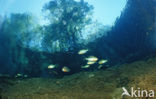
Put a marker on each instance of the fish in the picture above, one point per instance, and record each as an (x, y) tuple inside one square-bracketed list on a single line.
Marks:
[(51, 66), (102, 61), (18, 75), (91, 75), (90, 62), (64, 22), (92, 58), (83, 51), (86, 66), (65, 69), (150, 28), (100, 66), (25, 76)]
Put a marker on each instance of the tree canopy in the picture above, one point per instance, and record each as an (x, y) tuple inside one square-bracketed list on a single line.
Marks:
[(67, 18)]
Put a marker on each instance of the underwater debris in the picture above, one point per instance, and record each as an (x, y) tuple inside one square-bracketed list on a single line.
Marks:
[(51, 66), (86, 66), (65, 69), (102, 61), (92, 58), (83, 51)]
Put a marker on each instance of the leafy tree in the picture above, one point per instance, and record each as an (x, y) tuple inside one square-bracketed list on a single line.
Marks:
[(67, 18)]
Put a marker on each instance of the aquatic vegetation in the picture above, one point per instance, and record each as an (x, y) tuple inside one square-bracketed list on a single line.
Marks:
[(86, 85)]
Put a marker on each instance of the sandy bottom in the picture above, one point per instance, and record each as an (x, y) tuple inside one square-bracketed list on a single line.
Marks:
[(86, 85)]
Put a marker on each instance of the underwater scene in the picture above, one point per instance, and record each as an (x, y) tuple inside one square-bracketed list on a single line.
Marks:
[(77, 49)]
